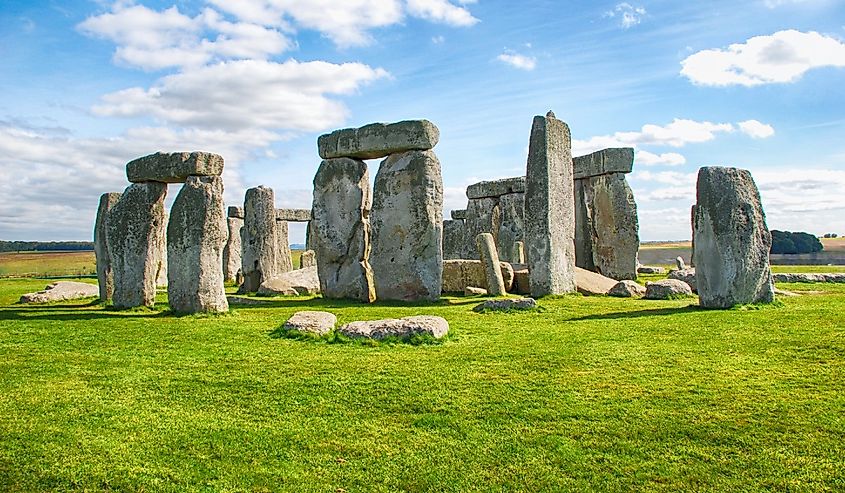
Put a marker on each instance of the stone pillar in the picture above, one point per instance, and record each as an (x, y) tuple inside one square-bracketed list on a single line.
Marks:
[(161, 269), (490, 259), (340, 229), (307, 259), (482, 216), (453, 239), (511, 227), (407, 227), (732, 241), (134, 232), (105, 276), (283, 254), (583, 229), (613, 224), (259, 250), (232, 250), (550, 208), (518, 253), (692, 241), (196, 236)]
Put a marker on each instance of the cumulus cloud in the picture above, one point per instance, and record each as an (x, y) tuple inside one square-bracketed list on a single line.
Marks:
[(516, 60), (666, 159), (441, 11), (628, 14), (782, 57), (756, 129)]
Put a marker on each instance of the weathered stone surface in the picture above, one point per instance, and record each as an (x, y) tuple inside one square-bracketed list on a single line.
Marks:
[(259, 241), (686, 275), (232, 250), (105, 276), (627, 289), (511, 225), (135, 232), (300, 282), (62, 291), (646, 269), (679, 263), (483, 216), (283, 253), (521, 280), (613, 225), (407, 226), (307, 259), (459, 214), (832, 278), (604, 162), (592, 283), (550, 208), (235, 211), (666, 289), (506, 305), (196, 236), (293, 215), (583, 229), (403, 328), (458, 274), (518, 252), (732, 241), (161, 269), (379, 140), (340, 229), (473, 291), (490, 261), (496, 188), (312, 322), (453, 239), (174, 167)]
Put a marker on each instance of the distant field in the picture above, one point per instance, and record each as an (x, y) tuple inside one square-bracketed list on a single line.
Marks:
[(664, 253), (47, 264)]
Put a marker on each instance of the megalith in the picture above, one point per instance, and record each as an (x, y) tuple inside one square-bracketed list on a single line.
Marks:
[(453, 239), (196, 237), (407, 227), (379, 140), (490, 258), (511, 224), (105, 276), (259, 242), (550, 208), (483, 215), (732, 241), (232, 250), (283, 253), (134, 233)]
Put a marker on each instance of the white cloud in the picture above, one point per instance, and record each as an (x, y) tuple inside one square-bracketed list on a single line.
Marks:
[(441, 11), (628, 14), (756, 129), (781, 57), (676, 134), (517, 60), (666, 159), (438, 40)]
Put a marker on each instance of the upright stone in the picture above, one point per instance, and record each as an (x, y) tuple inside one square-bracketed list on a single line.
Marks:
[(307, 259), (511, 224), (161, 269), (105, 276), (407, 221), (583, 229), (482, 216), (613, 225), (259, 250), (518, 253), (453, 239), (232, 250), (732, 241), (490, 258), (340, 229), (283, 254), (196, 236), (134, 232), (550, 208), (379, 140)]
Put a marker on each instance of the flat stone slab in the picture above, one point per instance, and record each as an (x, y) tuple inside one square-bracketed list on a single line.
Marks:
[(496, 188), (62, 291), (459, 214), (648, 269), (174, 167), (592, 283), (666, 289), (832, 278), (312, 322), (506, 305), (687, 275), (300, 282), (627, 289), (604, 162), (403, 328), (379, 140), (235, 211), (293, 215)]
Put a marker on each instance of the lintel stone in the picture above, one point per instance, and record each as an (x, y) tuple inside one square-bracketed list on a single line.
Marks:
[(496, 188), (174, 167), (293, 215), (459, 214), (604, 162), (379, 140), (235, 211)]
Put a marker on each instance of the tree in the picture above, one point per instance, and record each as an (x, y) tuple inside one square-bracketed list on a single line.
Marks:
[(791, 243)]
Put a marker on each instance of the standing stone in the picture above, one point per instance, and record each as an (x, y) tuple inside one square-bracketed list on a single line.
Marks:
[(105, 276), (259, 250), (692, 242), (307, 259), (232, 250), (340, 229), (679, 263), (732, 241), (511, 225), (283, 254), (613, 224), (407, 221), (518, 252), (453, 239), (490, 258), (134, 232), (161, 269), (550, 208), (196, 236), (482, 216), (583, 229)]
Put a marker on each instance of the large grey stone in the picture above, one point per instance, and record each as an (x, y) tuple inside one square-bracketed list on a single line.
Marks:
[(293, 215), (627, 289), (604, 162), (820, 277), (459, 214), (732, 241), (105, 276), (453, 239), (482, 216), (232, 250), (403, 328), (161, 269), (174, 167), (283, 253), (583, 229), (196, 235), (235, 211), (61, 291), (312, 322), (135, 232), (613, 225), (592, 283), (511, 225), (550, 208), (460, 273), (300, 282), (687, 275), (407, 222), (648, 269), (259, 242), (379, 140), (490, 260), (496, 188), (667, 289), (340, 229)]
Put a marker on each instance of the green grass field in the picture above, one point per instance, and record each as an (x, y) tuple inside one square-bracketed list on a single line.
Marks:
[(47, 264), (586, 394)]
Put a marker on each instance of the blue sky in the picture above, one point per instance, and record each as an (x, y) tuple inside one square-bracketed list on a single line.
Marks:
[(86, 86)]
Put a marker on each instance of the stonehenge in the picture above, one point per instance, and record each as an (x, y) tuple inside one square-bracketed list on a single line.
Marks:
[(105, 276), (259, 241), (232, 250), (490, 259)]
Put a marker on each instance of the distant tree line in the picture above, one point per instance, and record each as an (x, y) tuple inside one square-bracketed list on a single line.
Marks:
[(787, 242), (830, 235), (44, 246)]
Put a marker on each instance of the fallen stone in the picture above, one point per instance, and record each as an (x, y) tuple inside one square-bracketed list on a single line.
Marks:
[(307, 259), (506, 305), (62, 291), (686, 275), (300, 282), (235, 211), (459, 273), (312, 322), (403, 328), (259, 241), (666, 289), (293, 215), (496, 188), (174, 167), (105, 276), (232, 250), (604, 162), (453, 239), (592, 283), (646, 269), (821, 277), (379, 140), (473, 291), (490, 261), (459, 214), (627, 289)]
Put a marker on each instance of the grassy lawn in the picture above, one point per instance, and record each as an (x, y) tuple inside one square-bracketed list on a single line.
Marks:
[(47, 264), (587, 394)]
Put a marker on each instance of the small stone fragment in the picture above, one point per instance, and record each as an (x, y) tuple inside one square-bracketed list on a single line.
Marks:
[(627, 289), (473, 291), (686, 275), (403, 328), (307, 259), (507, 304), (667, 289), (312, 322), (679, 263), (647, 269), (592, 283), (831, 278)]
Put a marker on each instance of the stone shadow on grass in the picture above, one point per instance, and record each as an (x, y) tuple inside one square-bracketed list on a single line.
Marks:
[(656, 312), (73, 312)]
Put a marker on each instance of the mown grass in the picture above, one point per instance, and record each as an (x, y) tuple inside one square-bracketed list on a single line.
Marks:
[(587, 394)]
